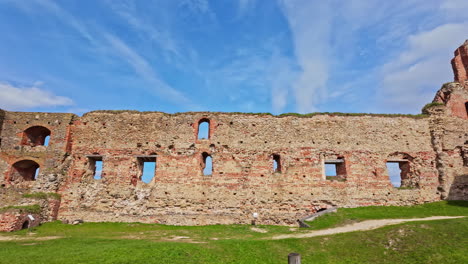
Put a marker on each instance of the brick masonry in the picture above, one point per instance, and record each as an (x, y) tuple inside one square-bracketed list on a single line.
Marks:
[(432, 151)]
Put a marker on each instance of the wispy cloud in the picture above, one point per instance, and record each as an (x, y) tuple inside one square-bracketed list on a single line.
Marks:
[(144, 69), (101, 39), (67, 17), (310, 23), (20, 98), (163, 37), (412, 78)]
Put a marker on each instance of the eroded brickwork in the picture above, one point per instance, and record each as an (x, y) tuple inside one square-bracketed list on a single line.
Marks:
[(460, 63), (430, 150)]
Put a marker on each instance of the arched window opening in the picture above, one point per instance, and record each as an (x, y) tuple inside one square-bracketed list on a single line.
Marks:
[(147, 165), (35, 136), (24, 170), (95, 165), (207, 164), (25, 225), (204, 129), (276, 163)]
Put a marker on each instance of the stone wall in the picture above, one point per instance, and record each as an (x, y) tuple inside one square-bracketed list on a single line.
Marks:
[(14, 221), (431, 151)]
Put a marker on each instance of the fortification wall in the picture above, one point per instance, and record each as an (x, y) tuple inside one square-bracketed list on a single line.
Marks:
[(243, 181), (19, 147), (273, 166)]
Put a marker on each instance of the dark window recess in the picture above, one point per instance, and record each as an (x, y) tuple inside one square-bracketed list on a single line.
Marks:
[(466, 108), (276, 163), (207, 164), (95, 165), (36, 136), (398, 172), (25, 170), (204, 129), (147, 165), (335, 169)]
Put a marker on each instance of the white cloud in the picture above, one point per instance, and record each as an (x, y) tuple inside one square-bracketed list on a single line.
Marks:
[(19, 98), (310, 24), (410, 80)]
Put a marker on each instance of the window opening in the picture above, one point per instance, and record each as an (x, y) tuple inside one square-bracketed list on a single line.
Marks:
[(335, 169), (207, 164), (398, 172), (466, 108), (24, 170), (276, 163), (36, 173), (95, 165), (330, 170), (25, 225), (147, 166), (46, 141), (204, 129), (394, 173), (35, 136)]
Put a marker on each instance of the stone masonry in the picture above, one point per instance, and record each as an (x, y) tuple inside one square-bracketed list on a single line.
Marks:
[(431, 150)]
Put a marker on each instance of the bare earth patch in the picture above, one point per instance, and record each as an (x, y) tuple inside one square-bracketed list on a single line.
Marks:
[(361, 226), (258, 230), (17, 238)]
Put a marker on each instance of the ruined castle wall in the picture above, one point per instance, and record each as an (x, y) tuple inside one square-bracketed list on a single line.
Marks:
[(243, 180), (450, 136), (16, 147)]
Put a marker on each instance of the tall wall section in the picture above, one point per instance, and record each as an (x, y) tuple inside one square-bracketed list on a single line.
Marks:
[(243, 181), (273, 166)]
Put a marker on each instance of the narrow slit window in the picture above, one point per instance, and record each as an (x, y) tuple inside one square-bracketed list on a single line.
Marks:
[(204, 129), (148, 168), (98, 170), (466, 108), (335, 169), (276, 163), (207, 164)]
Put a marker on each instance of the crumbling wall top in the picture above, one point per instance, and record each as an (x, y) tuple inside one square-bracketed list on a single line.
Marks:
[(460, 63)]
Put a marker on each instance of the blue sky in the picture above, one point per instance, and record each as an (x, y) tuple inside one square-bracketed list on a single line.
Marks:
[(227, 55)]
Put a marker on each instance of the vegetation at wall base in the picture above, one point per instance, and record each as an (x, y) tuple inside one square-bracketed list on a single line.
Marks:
[(441, 241), (32, 209)]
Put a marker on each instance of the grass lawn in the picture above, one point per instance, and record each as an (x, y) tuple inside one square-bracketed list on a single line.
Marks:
[(441, 241)]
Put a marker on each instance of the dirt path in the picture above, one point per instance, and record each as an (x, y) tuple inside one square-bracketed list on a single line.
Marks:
[(18, 238), (361, 226)]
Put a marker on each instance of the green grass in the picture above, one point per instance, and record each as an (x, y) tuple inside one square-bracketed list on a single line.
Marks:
[(42, 195), (429, 105), (345, 216), (33, 209), (442, 241)]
